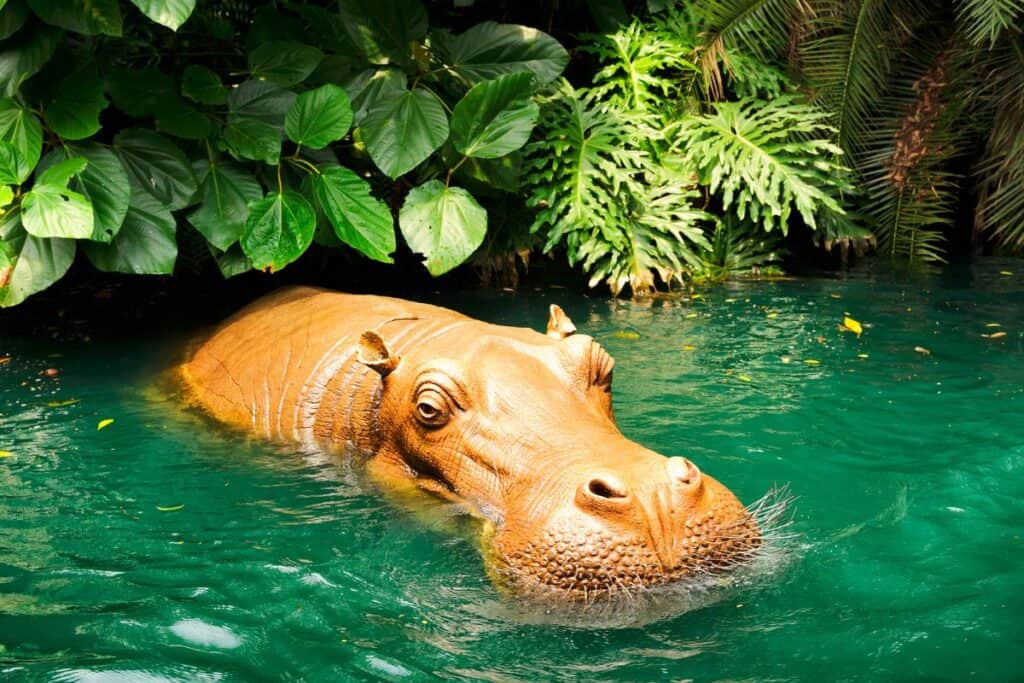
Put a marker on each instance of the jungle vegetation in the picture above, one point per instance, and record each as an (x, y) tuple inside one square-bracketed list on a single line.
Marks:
[(646, 143)]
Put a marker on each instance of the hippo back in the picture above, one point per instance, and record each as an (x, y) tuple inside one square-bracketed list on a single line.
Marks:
[(285, 367)]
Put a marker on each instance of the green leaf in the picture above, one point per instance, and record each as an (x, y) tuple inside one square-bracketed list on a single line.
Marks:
[(38, 262), (319, 117), (231, 262), (157, 165), (104, 182), (359, 219), (371, 86), (445, 224), (284, 63), (227, 191), (145, 245), (489, 50), (22, 129), (74, 113), (261, 101), (385, 30), (23, 55), (202, 85), (140, 92), (253, 139), (90, 17), (403, 129), (12, 17), (495, 117), (52, 210), (182, 120), (59, 173), (278, 230), (6, 196), (9, 161), (169, 13)]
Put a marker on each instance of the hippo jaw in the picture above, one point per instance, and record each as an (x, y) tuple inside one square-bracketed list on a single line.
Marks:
[(518, 428)]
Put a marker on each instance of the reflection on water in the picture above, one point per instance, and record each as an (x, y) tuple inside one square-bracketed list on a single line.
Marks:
[(163, 548)]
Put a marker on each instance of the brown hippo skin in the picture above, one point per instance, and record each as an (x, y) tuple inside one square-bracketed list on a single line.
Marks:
[(515, 425)]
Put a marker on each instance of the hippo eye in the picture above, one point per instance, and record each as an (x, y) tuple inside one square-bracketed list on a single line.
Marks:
[(431, 408)]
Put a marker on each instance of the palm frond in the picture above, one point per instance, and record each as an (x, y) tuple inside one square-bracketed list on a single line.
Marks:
[(759, 27), (983, 21)]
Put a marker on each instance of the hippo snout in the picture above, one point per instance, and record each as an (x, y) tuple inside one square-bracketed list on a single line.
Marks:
[(656, 522)]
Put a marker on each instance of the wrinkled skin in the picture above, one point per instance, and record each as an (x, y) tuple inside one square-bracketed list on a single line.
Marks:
[(514, 425)]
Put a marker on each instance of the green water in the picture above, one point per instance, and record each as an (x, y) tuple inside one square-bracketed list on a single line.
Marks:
[(908, 471)]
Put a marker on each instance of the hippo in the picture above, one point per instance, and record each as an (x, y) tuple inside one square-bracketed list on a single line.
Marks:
[(515, 426)]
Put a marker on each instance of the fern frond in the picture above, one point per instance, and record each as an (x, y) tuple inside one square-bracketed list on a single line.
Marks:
[(765, 159)]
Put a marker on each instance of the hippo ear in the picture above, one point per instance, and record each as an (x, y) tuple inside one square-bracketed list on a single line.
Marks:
[(373, 353), (559, 325)]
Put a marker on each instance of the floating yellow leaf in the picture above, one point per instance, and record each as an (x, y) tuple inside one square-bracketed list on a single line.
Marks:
[(625, 334), (992, 325), (994, 335), (170, 508), (104, 424), (812, 361), (1006, 272), (772, 315), (5, 359), (862, 355), (852, 325), (923, 351), (744, 378), (786, 359), (836, 296), (6, 454), (691, 315), (61, 404), (730, 301), (689, 347), (696, 296)]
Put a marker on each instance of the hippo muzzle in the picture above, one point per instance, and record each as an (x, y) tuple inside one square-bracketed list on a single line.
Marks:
[(515, 426)]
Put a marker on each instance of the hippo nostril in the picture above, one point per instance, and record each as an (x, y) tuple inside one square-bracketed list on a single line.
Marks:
[(606, 487), (683, 471)]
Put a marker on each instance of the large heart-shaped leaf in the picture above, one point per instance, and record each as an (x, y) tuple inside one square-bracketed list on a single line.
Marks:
[(169, 13), (22, 130), (385, 30), (157, 165), (227, 192), (402, 129), (24, 54), (260, 101), (359, 219), (74, 113), (495, 117), (9, 161), (278, 230), (37, 262), (489, 50), (50, 209), (319, 117), (12, 17), (145, 245), (284, 63), (445, 224), (202, 85), (90, 17), (104, 182), (253, 139), (368, 87)]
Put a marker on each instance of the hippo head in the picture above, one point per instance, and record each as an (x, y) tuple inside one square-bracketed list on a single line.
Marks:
[(518, 427)]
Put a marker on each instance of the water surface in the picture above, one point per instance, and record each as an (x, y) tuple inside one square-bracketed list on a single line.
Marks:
[(163, 548)]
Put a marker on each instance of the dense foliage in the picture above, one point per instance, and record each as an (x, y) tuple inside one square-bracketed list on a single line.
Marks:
[(687, 141)]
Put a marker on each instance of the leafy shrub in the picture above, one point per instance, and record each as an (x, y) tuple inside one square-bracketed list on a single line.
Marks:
[(112, 129)]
